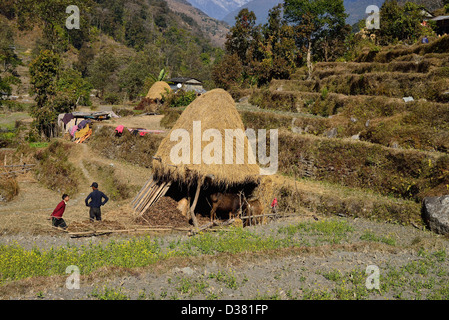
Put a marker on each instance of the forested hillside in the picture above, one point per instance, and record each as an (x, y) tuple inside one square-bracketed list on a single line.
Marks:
[(119, 45)]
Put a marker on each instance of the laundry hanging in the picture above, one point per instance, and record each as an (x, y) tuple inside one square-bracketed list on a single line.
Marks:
[(82, 132), (67, 117)]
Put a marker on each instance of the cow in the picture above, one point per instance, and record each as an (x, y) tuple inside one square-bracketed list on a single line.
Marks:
[(229, 203), (252, 208)]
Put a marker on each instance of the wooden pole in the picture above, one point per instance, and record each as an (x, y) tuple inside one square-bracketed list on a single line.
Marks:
[(145, 196), (148, 197), (96, 233), (160, 194), (192, 208), (141, 190)]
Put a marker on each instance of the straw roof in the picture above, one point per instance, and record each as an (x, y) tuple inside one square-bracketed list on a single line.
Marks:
[(157, 90), (216, 110)]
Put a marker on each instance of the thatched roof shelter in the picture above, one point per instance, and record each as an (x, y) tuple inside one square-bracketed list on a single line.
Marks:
[(211, 128), (158, 89), (215, 110)]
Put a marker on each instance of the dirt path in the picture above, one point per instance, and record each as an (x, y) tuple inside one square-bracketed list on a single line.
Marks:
[(29, 211), (80, 163), (129, 173)]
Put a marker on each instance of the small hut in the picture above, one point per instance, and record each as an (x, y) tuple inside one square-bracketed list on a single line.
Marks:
[(154, 96), (234, 171), (187, 84)]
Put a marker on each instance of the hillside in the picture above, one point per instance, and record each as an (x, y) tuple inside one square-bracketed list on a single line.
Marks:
[(217, 9), (212, 28), (349, 134), (259, 7), (183, 41), (351, 125)]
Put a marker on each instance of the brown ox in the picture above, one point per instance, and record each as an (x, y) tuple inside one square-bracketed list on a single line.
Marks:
[(253, 208), (228, 203)]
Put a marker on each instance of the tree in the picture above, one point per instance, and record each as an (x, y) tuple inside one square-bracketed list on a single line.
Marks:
[(7, 8), (242, 35), (103, 72), (85, 56), (44, 71), (227, 72), (264, 52), (132, 78), (57, 91), (8, 60), (313, 20), (400, 23), (278, 48), (272, 29), (52, 15), (71, 89)]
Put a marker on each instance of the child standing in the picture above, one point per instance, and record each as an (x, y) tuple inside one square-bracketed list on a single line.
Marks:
[(56, 216)]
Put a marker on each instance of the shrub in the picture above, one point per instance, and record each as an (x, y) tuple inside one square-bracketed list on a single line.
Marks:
[(267, 99), (180, 99), (111, 98), (7, 138), (55, 171), (134, 149)]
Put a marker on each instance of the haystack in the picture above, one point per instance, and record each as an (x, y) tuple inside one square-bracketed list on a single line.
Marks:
[(157, 90), (152, 101), (214, 110)]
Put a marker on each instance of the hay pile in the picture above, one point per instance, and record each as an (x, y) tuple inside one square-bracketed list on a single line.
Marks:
[(86, 226), (152, 100), (9, 187), (215, 110), (157, 90), (164, 213)]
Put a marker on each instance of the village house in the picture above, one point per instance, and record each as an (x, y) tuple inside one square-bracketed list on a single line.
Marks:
[(187, 84)]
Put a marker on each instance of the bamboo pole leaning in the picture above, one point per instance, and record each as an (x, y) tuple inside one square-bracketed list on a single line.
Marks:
[(96, 233)]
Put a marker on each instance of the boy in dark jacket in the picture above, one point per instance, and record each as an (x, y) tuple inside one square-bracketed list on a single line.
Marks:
[(96, 202), (56, 216)]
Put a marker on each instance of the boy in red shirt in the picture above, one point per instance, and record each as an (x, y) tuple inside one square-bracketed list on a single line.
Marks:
[(274, 205), (56, 216)]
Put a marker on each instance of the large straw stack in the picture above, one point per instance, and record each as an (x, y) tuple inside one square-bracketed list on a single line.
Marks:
[(157, 90), (216, 110)]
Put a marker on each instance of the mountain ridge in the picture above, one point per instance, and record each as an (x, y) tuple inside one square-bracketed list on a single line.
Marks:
[(355, 8), (214, 29), (217, 9)]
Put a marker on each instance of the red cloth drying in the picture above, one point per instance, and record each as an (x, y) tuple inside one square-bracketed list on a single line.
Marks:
[(119, 129)]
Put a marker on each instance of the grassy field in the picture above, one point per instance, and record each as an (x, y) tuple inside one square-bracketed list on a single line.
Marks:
[(194, 268)]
